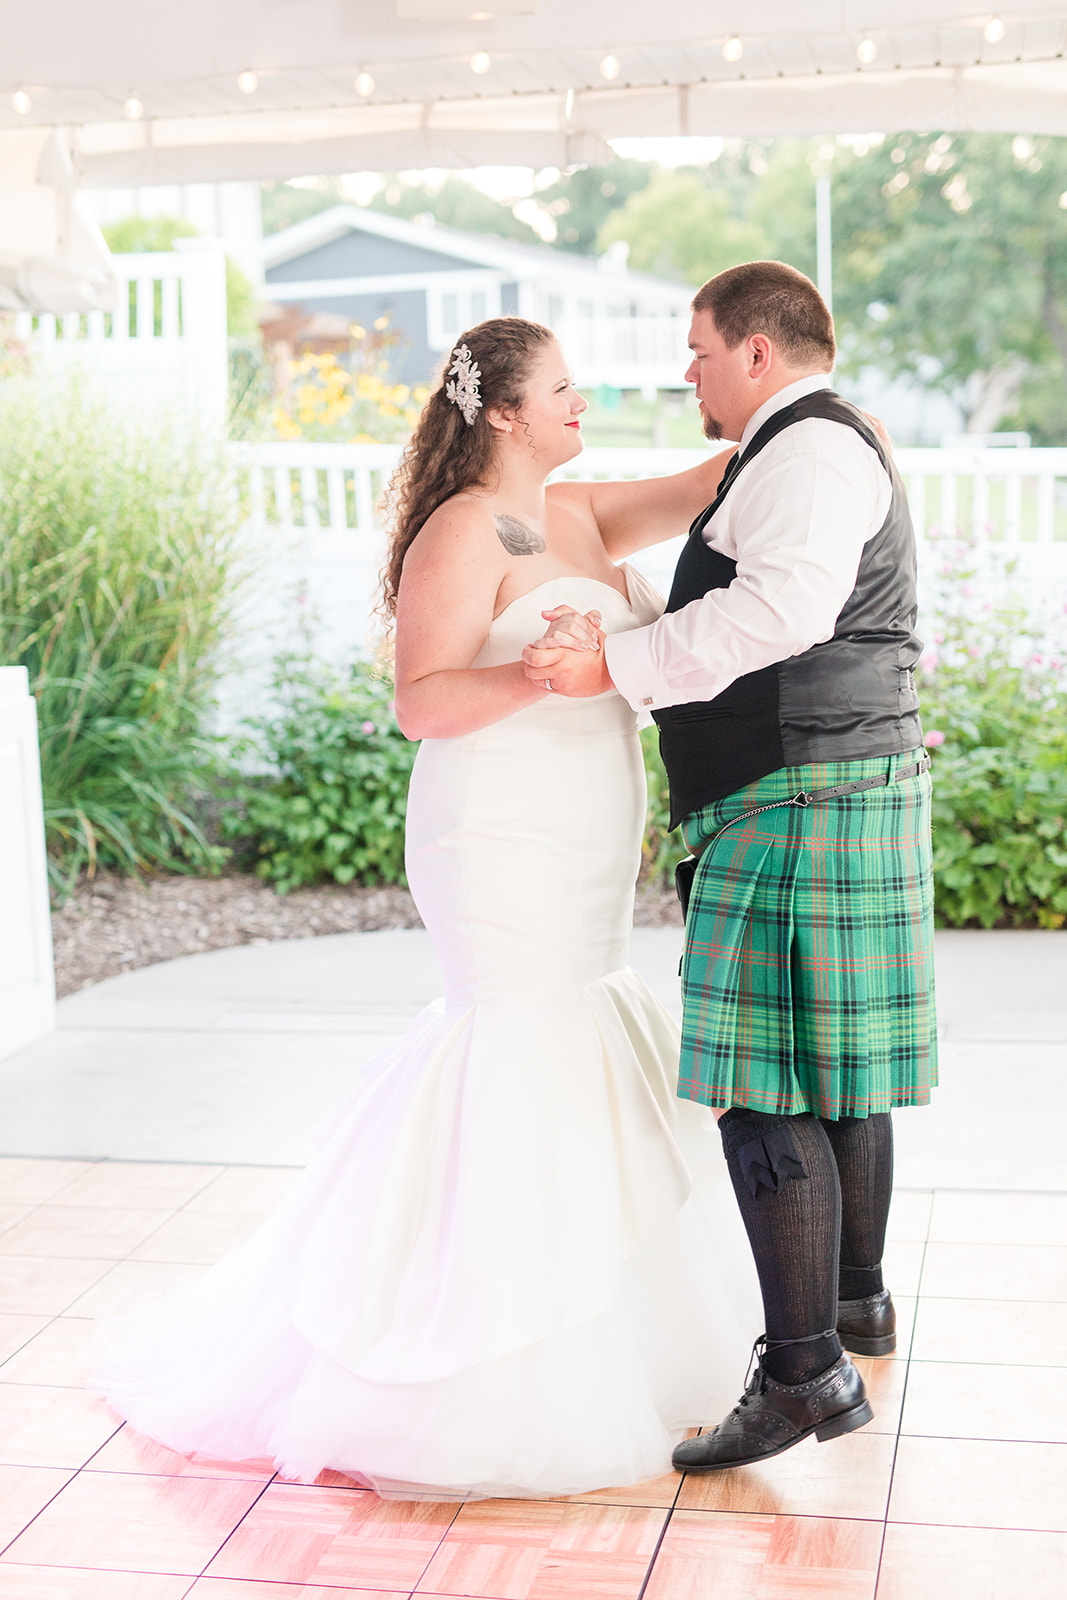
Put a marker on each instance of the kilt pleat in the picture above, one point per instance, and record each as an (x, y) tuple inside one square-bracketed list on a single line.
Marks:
[(808, 975)]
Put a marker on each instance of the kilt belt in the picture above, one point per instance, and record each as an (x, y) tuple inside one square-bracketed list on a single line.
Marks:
[(683, 872)]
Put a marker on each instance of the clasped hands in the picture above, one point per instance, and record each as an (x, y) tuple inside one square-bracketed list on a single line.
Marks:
[(569, 657)]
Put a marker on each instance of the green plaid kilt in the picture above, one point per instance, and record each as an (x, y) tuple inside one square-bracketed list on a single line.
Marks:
[(808, 978)]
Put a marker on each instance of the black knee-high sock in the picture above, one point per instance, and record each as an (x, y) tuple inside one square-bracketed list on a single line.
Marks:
[(785, 1178), (863, 1150)]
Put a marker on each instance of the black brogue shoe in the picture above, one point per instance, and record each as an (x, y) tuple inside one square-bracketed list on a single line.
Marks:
[(771, 1417), (868, 1327)]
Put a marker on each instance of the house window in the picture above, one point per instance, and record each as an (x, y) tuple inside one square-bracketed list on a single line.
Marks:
[(449, 312)]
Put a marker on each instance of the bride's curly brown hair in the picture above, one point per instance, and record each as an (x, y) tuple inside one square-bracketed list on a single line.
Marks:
[(446, 455)]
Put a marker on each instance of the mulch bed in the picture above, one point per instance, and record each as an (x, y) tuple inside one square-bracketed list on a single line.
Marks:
[(113, 925)]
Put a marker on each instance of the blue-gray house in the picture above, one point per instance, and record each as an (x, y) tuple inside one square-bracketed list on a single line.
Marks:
[(618, 327)]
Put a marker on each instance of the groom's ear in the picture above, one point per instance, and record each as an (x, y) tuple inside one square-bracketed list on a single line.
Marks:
[(761, 354)]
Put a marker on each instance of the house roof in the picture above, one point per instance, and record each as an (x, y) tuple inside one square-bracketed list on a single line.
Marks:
[(516, 259)]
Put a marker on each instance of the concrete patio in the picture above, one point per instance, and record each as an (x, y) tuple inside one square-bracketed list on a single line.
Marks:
[(232, 1056)]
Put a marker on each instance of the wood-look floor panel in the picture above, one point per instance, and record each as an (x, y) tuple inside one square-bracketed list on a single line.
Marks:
[(935, 1563), (736, 1557), (133, 1523), (545, 1550), (334, 1536), (980, 1483)]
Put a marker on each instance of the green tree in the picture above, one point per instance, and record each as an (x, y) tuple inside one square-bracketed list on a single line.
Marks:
[(134, 234), (951, 263), (282, 203), (455, 203), (678, 226), (582, 200)]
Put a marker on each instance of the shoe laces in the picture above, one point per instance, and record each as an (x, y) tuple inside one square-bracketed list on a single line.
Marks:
[(755, 1377)]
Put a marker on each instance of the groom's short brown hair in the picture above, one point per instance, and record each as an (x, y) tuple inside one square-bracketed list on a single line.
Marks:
[(774, 299)]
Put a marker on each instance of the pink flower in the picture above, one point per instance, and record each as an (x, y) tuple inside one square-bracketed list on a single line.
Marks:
[(934, 738), (929, 661), (1036, 660), (368, 727), (966, 590)]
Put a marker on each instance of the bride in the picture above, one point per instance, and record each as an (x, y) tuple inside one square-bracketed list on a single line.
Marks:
[(515, 1265)]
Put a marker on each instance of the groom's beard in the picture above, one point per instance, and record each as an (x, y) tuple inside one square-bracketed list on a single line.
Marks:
[(712, 429)]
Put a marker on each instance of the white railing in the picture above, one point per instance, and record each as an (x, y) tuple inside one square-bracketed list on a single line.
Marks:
[(165, 344), (1008, 497), (316, 540)]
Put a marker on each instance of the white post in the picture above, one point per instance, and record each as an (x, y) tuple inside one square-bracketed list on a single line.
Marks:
[(203, 316), (27, 979), (824, 255)]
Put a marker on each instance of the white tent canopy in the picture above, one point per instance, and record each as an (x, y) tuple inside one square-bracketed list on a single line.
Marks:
[(52, 254), (275, 88)]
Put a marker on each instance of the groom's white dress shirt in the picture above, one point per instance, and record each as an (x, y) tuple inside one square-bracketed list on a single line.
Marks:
[(795, 522)]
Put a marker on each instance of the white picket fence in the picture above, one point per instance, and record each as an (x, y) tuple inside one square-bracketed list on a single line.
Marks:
[(163, 347), (316, 540), (1009, 497)]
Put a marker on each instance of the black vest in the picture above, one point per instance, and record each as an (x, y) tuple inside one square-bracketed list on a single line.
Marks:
[(847, 699)]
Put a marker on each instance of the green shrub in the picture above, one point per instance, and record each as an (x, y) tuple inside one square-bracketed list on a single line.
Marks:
[(335, 802), (994, 702), (115, 564)]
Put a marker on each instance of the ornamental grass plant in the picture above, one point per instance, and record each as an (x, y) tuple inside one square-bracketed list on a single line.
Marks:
[(117, 541)]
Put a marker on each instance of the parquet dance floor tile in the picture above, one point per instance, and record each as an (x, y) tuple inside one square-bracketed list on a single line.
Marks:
[(298, 1534), (956, 1491), (127, 1522), (930, 1563), (545, 1550)]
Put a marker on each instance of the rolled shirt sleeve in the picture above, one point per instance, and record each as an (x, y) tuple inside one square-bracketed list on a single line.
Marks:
[(795, 521)]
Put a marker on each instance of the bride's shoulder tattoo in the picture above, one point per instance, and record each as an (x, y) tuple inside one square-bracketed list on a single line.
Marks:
[(517, 538)]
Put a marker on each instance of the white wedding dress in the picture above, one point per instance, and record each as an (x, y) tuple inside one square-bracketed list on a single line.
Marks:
[(515, 1266)]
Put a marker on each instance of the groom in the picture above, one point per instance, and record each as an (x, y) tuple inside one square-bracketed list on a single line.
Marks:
[(781, 680)]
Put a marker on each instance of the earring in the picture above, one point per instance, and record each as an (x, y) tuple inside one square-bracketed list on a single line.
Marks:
[(509, 429)]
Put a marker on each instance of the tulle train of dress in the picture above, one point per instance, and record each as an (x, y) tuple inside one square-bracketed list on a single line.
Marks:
[(515, 1266)]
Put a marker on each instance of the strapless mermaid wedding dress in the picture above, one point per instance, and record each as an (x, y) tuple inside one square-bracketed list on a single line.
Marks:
[(515, 1266)]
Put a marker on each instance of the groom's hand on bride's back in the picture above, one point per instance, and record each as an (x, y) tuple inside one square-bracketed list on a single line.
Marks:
[(570, 655)]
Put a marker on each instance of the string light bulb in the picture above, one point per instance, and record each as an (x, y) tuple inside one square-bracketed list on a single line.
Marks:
[(609, 67), (480, 62), (994, 30), (21, 102), (733, 49), (248, 81), (134, 108), (866, 51), (364, 84)]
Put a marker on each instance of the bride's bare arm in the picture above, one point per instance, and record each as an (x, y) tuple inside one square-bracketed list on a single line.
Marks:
[(632, 514), (448, 590)]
